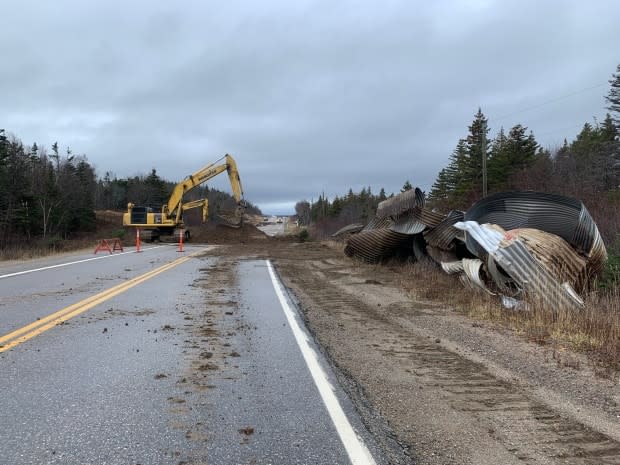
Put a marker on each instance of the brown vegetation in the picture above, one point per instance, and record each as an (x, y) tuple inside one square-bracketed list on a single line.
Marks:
[(594, 330), (108, 224)]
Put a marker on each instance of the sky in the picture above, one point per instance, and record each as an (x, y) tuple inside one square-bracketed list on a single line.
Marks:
[(309, 97)]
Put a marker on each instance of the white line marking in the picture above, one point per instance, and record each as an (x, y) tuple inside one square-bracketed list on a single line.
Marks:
[(355, 447), (73, 263)]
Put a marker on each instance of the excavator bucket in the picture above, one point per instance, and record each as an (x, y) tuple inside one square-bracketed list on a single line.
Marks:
[(232, 219)]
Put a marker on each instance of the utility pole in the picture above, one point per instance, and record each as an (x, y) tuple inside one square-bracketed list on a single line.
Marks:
[(484, 158)]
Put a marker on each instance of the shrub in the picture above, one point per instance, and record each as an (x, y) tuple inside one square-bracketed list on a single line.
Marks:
[(304, 235), (611, 273), (120, 233)]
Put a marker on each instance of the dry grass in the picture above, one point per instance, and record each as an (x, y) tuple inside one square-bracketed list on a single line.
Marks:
[(594, 330), (44, 249), (109, 224)]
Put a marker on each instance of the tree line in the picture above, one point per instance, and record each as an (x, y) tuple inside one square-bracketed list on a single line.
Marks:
[(151, 190), (50, 196), (349, 208), (43, 194), (587, 168)]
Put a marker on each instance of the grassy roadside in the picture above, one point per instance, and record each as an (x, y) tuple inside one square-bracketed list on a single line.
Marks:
[(109, 225), (594, 331)]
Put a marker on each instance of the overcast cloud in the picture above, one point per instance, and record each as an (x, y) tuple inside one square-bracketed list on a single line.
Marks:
[(308, 96)]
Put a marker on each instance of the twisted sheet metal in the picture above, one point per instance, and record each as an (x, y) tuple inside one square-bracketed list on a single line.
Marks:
[(379, 223), (405, 211), (454, 267), (597, 256), (401, 203), (516, 260), (501, 280), (408, 224), (472, 268), (372, 246), (552, 245), (471, 276), (555, 255), (429, 217), (563, 216), (405, 214), (440, 255), (417, 220), (349, 229), (444, 234), (419, 247)]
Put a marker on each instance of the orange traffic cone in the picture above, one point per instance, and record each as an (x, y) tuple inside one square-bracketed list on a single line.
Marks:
[(182, 233), (138, 240)]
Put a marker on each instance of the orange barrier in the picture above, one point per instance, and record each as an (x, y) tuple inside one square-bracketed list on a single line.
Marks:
[(181, 241), (104, 244), (138, 240)]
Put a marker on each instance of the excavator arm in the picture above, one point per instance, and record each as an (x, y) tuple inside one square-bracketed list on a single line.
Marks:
[(204, 203), (174, 205), (171, 216)]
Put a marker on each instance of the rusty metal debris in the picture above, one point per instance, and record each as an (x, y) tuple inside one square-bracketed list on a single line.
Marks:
[(401, 204), (373, 246), (513, 255), (513, 244), (444, 234), (349, 229), (565, 217)]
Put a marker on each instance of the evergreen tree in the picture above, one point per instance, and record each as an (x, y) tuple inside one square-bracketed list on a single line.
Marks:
[(444, 190), (613, 97), (509, 155), (335, 207), (608, 131), (470, 182), (84, 215), (157, 190), (460, 183), (5, 196), (406, 187), (55, 155)]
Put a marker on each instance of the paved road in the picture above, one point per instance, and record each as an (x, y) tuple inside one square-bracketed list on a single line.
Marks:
[(164, 357), (273, 229)]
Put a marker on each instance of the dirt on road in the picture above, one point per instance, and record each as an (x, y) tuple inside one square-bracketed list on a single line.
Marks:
[(434, 386)]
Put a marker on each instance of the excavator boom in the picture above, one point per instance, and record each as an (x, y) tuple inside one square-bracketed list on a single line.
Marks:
[(201, 176), (171, 216)]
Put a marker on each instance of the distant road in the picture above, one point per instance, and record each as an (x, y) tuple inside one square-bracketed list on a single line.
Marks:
[(274, 229), (164, 357)]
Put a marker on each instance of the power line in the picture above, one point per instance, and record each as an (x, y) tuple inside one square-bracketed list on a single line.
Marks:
[(563, 97), (559, 129)]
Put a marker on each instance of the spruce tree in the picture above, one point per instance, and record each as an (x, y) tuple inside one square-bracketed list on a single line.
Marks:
[(613, 97), (470, 184), (444, 190), (509, 155), (608, 131)]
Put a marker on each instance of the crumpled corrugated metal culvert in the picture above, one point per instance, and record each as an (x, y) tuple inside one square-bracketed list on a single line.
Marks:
[(512, 244)]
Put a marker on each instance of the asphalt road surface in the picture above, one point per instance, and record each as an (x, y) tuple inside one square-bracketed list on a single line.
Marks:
[(162, 357), (273, 229)]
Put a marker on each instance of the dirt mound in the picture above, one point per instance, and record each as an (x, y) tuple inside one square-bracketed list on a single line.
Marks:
[(108, 219), (216, 232)]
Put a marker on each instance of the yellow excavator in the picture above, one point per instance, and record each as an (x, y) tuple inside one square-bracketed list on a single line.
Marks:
[(153, 224)]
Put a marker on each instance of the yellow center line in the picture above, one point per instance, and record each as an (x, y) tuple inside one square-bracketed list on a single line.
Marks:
[(35, 328)]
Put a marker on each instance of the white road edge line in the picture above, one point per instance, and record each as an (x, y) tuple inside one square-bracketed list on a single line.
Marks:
[(73, 263), (355, 447)]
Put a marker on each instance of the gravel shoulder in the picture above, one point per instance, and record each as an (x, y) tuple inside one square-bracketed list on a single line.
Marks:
[(441, 387)]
